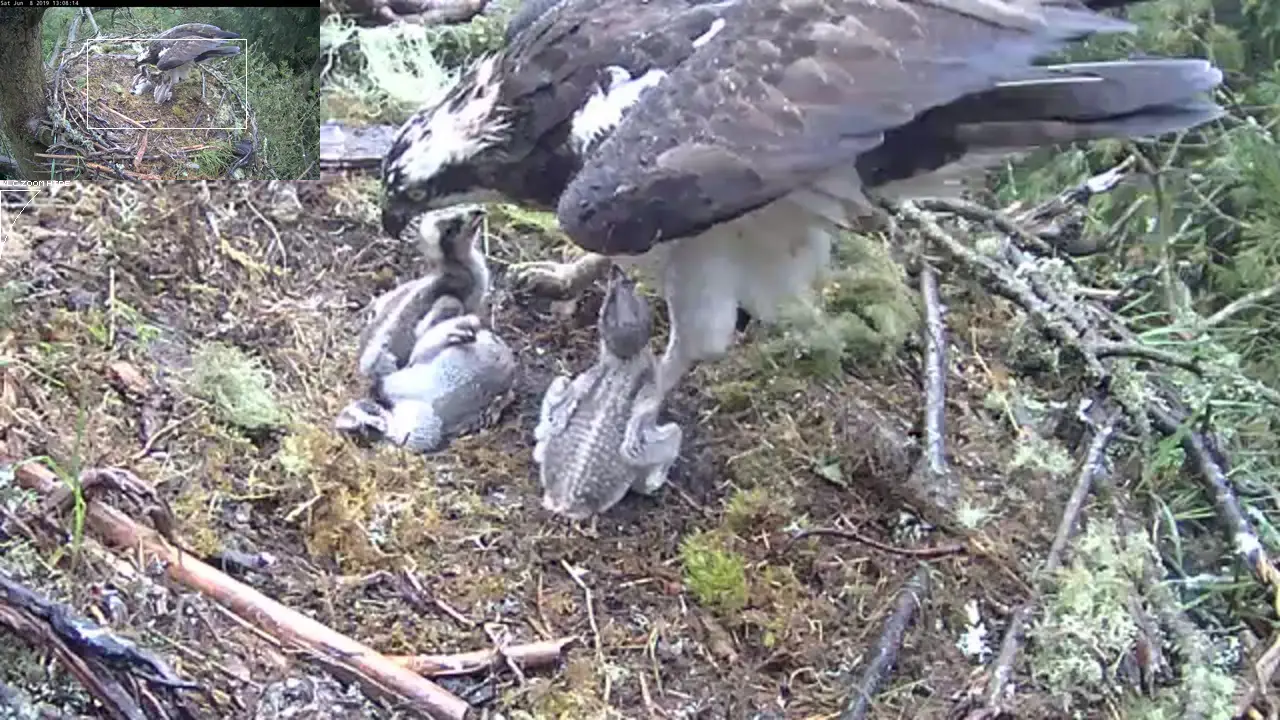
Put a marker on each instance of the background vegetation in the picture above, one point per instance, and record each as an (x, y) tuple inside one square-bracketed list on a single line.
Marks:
[(282, 58)]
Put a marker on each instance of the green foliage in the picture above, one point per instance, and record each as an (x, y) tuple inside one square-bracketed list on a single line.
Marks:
[(382, 74), (215, 159), (715, 575), (237, 385), (286, 36), (1195, 231), (288, 111)]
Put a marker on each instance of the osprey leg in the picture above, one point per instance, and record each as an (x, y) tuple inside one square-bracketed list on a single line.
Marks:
[(560, 280)]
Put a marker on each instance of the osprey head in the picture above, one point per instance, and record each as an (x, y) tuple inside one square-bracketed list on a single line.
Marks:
[(625, 319), (434, 158)]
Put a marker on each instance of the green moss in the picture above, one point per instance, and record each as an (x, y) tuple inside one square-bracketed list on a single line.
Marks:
[(237, 385), (1087, 624), (715, 575), (753, 510), (734, 396), (867, 311), (10, 292)]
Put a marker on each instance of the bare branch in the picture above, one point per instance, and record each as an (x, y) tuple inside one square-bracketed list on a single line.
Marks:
[(1240, 304), (910, 598), (528, 656)]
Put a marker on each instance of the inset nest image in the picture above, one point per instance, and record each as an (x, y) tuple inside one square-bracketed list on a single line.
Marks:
[(169, 93)]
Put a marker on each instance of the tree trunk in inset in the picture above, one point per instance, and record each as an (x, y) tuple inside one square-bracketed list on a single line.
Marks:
[(22, 100)]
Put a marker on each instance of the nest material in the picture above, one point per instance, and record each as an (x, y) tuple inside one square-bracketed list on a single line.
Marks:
[(101, 130)]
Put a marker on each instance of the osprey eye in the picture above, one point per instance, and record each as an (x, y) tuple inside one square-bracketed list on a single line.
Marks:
[(417, 195)]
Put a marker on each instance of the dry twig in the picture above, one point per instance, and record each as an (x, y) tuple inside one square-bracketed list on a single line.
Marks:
[(929, 552), (576, 575), (527, 656), (339, 652)]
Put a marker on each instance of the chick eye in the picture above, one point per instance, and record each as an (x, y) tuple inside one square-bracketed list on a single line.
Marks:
[(417, 195)]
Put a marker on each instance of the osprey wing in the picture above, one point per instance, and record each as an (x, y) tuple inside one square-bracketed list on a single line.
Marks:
[(529, 12), (784, 93), (181, 52), (560, 52), (197, 30)]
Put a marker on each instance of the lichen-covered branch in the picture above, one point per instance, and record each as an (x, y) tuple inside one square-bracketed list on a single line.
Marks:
[(935, 373), (1003, 666)]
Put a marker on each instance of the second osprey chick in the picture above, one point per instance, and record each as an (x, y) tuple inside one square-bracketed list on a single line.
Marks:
[(598, 434)]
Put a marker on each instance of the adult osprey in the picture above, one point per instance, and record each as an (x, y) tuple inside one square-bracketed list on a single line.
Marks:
[(174, 51), (723, 143)]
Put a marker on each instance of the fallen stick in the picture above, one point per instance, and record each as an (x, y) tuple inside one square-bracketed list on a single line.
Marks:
[(87, 638), (935, 374), (1003, 666), (126, 118), (528, 656), (116, 703), (936, 551), (378, 674), (126, 173), (886, 654)]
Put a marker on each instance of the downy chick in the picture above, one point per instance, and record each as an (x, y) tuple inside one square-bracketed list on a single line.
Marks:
[(597, 434), (455, 267), (455, 372)]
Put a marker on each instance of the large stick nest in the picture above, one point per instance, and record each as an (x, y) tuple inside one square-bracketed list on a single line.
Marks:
[(101, 130)]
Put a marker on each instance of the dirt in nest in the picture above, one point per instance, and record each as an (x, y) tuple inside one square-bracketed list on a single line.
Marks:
[(190, 136), (701, 607)]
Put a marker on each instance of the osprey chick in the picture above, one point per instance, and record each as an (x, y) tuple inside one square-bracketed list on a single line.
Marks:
[(174, 51), (723, 144), (598, 434)]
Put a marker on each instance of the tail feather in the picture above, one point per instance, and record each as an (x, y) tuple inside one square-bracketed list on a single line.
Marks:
[(1050, 105), (1090, 91)]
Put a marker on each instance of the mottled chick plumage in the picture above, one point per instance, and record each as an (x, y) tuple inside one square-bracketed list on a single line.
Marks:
[(435, 370), (597, 435)]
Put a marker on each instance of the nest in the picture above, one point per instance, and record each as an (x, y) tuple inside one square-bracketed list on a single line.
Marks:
[(99, 129)]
